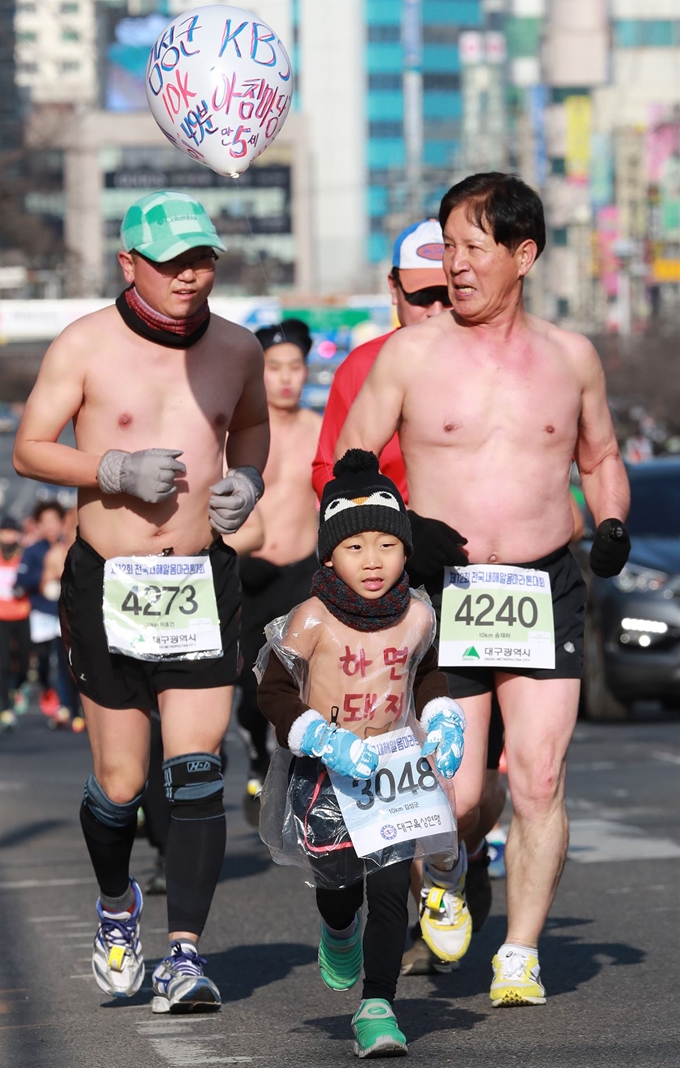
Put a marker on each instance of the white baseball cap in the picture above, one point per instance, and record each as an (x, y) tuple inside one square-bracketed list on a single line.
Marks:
[(418, 253)]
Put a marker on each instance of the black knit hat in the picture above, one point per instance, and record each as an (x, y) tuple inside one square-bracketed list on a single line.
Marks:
[(359, 498), (293, 331)]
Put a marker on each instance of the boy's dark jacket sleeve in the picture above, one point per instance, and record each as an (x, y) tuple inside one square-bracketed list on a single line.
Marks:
[(280, 702), (279, 698)]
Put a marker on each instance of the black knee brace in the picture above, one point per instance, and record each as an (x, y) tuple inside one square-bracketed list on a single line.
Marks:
[(194, 786), (108, 812)]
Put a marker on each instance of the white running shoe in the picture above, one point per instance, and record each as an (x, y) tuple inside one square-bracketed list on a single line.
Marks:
[(117, 960), (516, 979), (445, 921), (180, 985)]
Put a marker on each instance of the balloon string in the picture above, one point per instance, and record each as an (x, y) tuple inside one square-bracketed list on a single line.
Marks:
[(259, 257)]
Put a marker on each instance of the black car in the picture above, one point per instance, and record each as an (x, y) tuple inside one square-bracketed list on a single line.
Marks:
[(632, 639)]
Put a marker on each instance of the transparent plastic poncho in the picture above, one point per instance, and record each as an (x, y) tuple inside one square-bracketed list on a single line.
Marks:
[(363, 681)]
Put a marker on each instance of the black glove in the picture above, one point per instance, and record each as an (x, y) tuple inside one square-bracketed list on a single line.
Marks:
[(610, 549), (435, 546)]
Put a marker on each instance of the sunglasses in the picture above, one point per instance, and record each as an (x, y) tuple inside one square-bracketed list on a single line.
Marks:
[(425, 298)]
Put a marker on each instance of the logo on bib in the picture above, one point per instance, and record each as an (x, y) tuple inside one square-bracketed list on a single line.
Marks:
[(388, 831), (471, 653)]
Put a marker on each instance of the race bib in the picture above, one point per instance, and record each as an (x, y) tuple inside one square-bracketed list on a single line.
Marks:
[(400, 802), (496, 616), (161, 608)]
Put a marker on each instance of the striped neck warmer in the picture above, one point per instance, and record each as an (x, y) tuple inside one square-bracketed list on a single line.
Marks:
[(151, 325)]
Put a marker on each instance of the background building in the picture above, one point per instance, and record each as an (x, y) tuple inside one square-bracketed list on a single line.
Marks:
[(394, 101)]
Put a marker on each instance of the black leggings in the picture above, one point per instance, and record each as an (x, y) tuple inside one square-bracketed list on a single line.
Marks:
[(17, 631), (387, 894)]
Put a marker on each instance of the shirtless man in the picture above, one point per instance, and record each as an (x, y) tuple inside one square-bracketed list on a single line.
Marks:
[(491, 404), (148, 381), (278, 575)]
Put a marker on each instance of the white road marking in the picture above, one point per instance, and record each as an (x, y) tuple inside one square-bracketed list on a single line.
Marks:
[(48, 919), (67, 934), (177, 1057), (5, 787), (84, 976), (598, 841), (40, 884), (667, 758)]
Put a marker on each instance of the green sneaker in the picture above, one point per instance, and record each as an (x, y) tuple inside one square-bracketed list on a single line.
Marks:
[(376, 1031), (340, 959)]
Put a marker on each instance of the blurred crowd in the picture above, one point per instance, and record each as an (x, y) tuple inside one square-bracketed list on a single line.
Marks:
[(33, 660)]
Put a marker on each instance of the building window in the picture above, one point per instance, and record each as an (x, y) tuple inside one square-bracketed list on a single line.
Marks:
[(384, 82), (27, 36), (378, 177), (69, 9), (647, 33), (441, 130), (27, 8), (441, 83), (381, 130), (562, 307), (27, 68), (70, 35), (440, 33), (558, 165), (384, 34), (377, 224), (560, 237), (68, 66)]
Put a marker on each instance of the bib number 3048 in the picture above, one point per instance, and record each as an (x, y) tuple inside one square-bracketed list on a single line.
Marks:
[(161, 608), (400, 802), (385, 787)]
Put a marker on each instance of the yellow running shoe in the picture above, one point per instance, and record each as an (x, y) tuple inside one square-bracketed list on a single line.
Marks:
[(445, 921), (516, 979)]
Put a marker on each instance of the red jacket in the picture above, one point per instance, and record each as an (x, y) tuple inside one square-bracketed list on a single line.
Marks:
[(349, 378)]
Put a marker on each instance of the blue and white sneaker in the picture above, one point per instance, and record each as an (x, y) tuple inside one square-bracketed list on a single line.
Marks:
[(180, 985), (117, 960)]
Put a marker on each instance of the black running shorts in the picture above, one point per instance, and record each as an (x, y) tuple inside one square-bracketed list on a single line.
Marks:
[(569, 608), (117, 681)]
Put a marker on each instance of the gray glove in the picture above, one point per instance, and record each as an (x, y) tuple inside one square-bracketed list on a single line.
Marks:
[(148, 474), (233, 498)]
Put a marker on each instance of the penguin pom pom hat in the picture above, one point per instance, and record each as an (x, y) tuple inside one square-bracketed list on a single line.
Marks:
[(358, 499)]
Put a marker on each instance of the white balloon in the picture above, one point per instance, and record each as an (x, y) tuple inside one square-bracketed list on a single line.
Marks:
[(219, 84)]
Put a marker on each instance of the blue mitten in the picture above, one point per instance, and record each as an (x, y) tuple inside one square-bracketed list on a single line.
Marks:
[(444, 723), (338, 749)]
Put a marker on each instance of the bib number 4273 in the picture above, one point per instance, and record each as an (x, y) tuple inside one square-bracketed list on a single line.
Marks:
[(159, 600)]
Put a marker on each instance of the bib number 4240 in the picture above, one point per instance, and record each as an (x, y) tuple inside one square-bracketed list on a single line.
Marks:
[(153, 597), (526, 614), (384, 786)]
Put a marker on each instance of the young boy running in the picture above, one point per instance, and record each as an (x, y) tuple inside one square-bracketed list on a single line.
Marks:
[(362, 630)]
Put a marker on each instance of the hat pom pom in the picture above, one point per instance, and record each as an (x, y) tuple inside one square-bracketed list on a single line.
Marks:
[(356, 460)]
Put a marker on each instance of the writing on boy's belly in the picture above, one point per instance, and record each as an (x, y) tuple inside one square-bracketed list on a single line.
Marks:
[(369, 686)]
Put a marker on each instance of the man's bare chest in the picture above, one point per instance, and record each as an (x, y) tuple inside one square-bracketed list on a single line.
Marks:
[(144, 393), (291, 453), (473, 409)]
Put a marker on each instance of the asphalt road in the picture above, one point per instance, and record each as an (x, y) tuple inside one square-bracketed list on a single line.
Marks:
[(609, 955)]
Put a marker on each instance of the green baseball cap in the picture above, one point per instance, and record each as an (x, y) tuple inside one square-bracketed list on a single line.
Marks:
[(162, 225)]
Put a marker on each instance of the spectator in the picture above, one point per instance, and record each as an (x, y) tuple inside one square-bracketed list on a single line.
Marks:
[(15, 637), (45, 631)]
